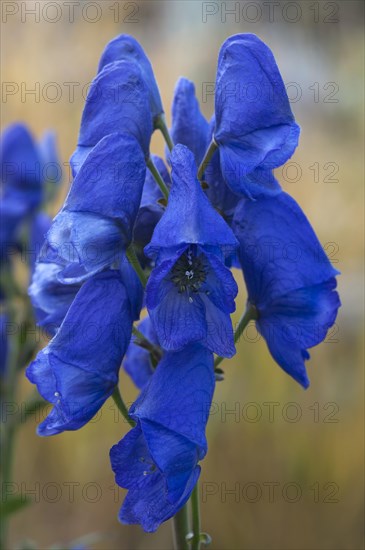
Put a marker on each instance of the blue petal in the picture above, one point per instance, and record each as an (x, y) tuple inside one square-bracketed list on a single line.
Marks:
[(173, 455), (78, 158), (189, 216), (254, 121), (51, 163), (252, 184), (179, 394), (177, 320), (279, 251), (111, 179), (96, 222), (189, 127), (180, 318), (134, 287), (220, 285), (289, 279), (297, 321), (147, 501), (151, 508), (157, 460), (118, 101), (50, 299), (220, 291), (126, 48), (21, 169), (86, 243), (78, 370), (137, 361), (40, 225)]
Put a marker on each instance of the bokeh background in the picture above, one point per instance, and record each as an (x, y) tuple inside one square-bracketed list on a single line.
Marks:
[(285, 469)]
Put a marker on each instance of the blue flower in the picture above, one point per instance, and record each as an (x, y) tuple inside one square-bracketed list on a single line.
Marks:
[(117, 102), (289, 279), (26, 166), (21, 168), (190, 294), (189, 126), (255, 127), (126, 48), (52, 170), (157, 461), (78, 370), (95, 225), (138, 361)]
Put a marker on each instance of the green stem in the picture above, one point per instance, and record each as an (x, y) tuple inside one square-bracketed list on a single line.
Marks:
[(122, 406), (249, 315), (133, 260), (180, 528), (195, 510), (207, 158), (160, 124), (145, 343), (8, 431), (156, 174)]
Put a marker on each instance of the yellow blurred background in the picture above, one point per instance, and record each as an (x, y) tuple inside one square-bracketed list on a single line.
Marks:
[(284, 469)]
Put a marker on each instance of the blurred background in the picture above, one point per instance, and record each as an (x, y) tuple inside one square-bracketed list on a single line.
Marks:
[(285, 466)]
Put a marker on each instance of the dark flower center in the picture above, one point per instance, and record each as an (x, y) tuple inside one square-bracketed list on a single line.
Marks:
[(189, 272)]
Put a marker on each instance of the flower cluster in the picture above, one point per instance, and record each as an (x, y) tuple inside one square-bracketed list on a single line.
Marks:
[(165, 238), (30, 178)]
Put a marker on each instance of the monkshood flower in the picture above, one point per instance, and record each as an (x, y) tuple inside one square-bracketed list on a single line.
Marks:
[(78, 370), (126, 48), (157, 461), (289, 279), (190, 293), (26, 167), (118, 101), (138, 362), (150, 210), (189, 127), (255, 127), (95, 225), (21, 168), (48, 151)]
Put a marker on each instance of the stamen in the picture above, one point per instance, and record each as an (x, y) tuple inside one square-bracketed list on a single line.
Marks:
[(189, 273)]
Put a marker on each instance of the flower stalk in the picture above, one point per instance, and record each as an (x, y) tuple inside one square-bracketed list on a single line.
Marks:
[(156, 174), (207, 158), (118, 400), (160, 124)]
